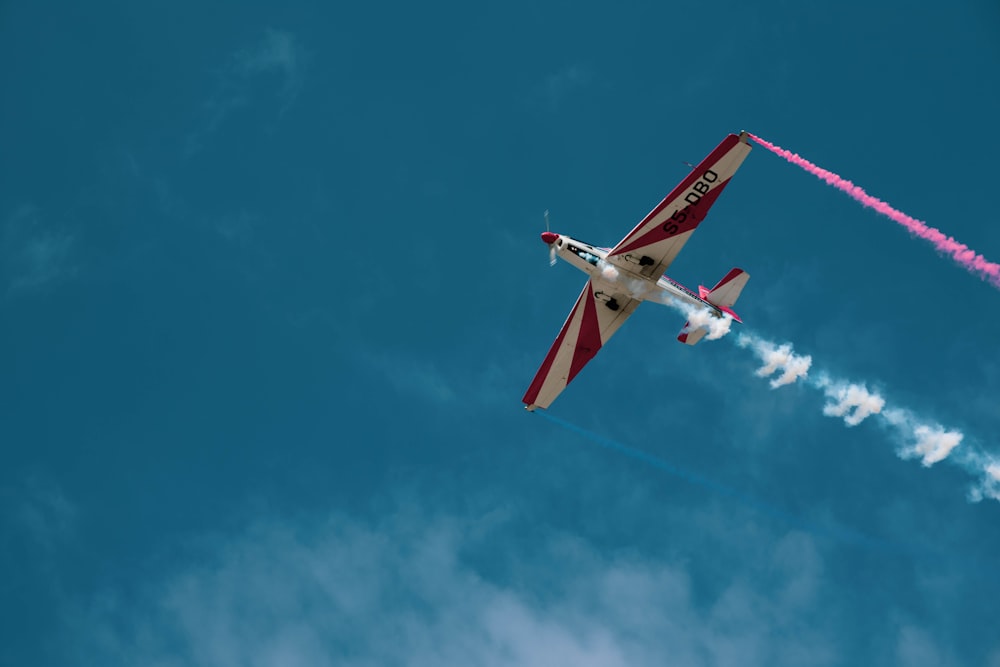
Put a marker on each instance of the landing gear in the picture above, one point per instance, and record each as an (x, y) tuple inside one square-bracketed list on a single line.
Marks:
[(645, 260), (608, 300)]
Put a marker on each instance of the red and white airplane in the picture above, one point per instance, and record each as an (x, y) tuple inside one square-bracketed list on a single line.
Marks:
[(632, 272)]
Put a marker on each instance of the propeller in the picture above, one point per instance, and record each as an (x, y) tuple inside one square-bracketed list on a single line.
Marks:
[(552, 246)]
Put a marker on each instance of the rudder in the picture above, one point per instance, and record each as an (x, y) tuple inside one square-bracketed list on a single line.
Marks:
[(723, 296), (726, 291)]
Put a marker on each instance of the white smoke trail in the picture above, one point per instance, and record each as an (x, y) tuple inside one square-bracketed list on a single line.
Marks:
[(703, 318), (928, 442), (775, 358), (853, 402), (719, 327), (608, 272), (917, 438), (989, 485)]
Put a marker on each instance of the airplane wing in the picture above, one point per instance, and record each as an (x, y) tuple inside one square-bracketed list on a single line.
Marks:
[(654, 243), (589, 326)]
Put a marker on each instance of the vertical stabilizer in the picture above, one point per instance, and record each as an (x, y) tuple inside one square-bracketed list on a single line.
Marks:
[(727, 291), (723, 296)]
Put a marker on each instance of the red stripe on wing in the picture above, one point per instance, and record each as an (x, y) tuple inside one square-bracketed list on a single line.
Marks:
[(695, 214), (720, 151), (546, 367), (589, 340)]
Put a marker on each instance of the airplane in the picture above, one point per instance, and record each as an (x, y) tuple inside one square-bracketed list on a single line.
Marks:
[(622, 277)]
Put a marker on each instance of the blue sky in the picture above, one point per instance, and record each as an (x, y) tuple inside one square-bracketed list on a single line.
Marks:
[(273, 288)]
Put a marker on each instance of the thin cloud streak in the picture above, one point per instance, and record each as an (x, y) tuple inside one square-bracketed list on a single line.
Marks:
[(307, 595), (34, 256), (278, 52)]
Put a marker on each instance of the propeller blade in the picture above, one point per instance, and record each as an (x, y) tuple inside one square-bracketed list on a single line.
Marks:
[(552, 254)]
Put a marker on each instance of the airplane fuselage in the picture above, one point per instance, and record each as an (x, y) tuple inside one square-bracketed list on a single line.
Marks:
[(593, 261)]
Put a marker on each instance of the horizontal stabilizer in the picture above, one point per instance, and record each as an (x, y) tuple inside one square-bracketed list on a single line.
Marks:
[(690, 337)]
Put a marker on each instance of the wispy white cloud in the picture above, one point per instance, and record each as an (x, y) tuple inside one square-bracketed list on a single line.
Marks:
[(988, 465), (419, 378), (990, 485), (237, 228), (915, 647), (277, 51), (35, 256), (558, 86), (38, 506), (279, 54), (401, 591)]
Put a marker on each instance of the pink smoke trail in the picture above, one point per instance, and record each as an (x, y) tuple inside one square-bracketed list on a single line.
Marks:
[(961, 253)]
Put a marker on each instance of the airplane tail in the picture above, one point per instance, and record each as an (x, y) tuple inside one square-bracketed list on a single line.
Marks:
[(723, 296)]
